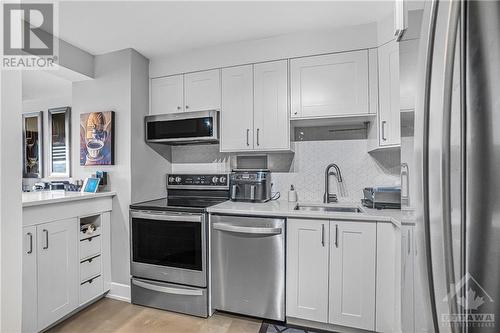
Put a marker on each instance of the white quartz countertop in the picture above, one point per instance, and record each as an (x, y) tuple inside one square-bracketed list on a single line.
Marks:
[(282, 208), (51, 197)]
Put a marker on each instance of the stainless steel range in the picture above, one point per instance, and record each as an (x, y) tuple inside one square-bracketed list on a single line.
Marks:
[(169, 244)]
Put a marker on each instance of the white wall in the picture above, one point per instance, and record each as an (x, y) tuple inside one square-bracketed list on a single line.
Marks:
[(279, 47), (10, 201), (149, 168), (120, 85)]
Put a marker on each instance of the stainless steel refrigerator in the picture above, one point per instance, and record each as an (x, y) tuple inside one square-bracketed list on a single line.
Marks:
[(457, 168)]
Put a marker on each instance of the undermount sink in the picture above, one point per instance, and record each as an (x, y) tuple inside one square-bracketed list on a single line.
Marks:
[(341, 209)]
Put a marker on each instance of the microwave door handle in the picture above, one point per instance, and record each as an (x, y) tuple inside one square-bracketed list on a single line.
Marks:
[(166, 217)]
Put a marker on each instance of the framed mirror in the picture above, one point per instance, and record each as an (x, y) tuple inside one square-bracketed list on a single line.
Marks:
[(59, 142), (33, 145)]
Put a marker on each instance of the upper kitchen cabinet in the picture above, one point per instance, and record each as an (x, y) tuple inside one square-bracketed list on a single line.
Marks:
[(255, 108), (167, 94), (197, 91), (271, 126), (202, 91), (237, 108), (330, 85), (389, 131)]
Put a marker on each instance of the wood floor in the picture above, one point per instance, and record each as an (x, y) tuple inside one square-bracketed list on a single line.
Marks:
[(110, 316)]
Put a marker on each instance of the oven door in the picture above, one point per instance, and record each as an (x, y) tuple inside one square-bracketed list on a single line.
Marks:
[(169, 246), (183, 128)]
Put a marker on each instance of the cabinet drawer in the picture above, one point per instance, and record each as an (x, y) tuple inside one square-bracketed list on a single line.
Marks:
[(90, 247), (90, 268), (91, 289)]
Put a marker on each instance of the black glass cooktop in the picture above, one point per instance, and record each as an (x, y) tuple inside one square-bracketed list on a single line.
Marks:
[(195, 204)]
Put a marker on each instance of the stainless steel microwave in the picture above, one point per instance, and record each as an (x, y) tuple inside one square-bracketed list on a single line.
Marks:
[(183, 128)]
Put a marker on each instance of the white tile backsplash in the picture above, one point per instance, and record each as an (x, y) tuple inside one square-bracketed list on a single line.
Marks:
[(306, 170)]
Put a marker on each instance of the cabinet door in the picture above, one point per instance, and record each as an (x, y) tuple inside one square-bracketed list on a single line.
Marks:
[(202, 91), (408, 55), (237, 108), (307, 269), (330, 85), (407, 279), (352, 274), (58, 281), (29, 323), (389, 114), (271, 126), (167, 94)]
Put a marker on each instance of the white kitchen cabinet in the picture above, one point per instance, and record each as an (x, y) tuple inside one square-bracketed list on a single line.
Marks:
[(352, 274), (57, 270), (29, 323), (330, 85), (307, 269), (408, 57), (237, 109), (167, 94), (271, 125), (407, 278), (202, 91), (389, 124)]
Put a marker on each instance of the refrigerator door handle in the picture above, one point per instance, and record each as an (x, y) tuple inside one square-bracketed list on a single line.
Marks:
[(451, 37), (429, 53)]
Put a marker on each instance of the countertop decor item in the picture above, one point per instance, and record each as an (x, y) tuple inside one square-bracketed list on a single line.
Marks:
[(97, 138), (90, 185)]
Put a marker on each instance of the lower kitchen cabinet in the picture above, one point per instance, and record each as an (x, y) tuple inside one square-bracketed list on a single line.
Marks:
[(352, 274), (407, 279), (307, 269), (64, 268), (57, 256), (332, 277)]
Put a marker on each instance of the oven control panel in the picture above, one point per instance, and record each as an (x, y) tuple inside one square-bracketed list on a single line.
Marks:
[(190, 180)]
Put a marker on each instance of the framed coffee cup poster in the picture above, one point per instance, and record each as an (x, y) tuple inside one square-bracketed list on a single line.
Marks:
[(97, 138)]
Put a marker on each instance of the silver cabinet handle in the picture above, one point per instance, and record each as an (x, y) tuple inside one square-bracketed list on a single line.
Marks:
[(258, 130), (323, 235), (451, 36), (405, 189), (409, 245), (383, 130), (168, 290), (336, 235), (46, 239), (30, 235), (247, 230), (248, 132)]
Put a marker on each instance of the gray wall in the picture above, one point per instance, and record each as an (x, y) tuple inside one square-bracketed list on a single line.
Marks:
[(120, 85)]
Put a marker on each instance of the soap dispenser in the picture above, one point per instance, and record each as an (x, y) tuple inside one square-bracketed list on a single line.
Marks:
[(292, 194)]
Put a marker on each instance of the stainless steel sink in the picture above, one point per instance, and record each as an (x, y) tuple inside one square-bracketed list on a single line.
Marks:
[(341, 209)]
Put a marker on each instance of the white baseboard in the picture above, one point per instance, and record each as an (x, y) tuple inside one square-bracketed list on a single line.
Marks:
[(120, 292)]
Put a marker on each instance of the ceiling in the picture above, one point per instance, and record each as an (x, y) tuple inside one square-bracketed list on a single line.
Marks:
[(157, 28)]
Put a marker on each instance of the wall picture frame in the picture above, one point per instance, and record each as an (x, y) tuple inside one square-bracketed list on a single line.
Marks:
[(33, 145), (59, 130), (97, 132)]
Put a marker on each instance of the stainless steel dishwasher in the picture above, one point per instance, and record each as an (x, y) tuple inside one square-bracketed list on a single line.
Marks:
[(248, 265)]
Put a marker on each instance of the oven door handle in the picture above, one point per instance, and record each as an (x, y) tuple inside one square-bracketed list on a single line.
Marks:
[(167, 217), (168, 290), (247, 230)]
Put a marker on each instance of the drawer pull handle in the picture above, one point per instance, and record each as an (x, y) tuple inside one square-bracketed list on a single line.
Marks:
[(46, 239)]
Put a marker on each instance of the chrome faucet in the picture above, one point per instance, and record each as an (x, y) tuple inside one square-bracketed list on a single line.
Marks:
[(327, 197)]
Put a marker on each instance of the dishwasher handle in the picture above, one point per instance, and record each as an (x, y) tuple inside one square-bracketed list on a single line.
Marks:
[(247, 230)]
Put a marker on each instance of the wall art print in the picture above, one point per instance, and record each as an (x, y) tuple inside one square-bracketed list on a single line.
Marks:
[(97, 138)]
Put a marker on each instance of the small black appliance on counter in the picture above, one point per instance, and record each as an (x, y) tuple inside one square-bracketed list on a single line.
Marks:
[(252, 185)]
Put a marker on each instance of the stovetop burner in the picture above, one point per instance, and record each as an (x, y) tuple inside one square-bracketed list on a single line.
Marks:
[(194, 204)]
